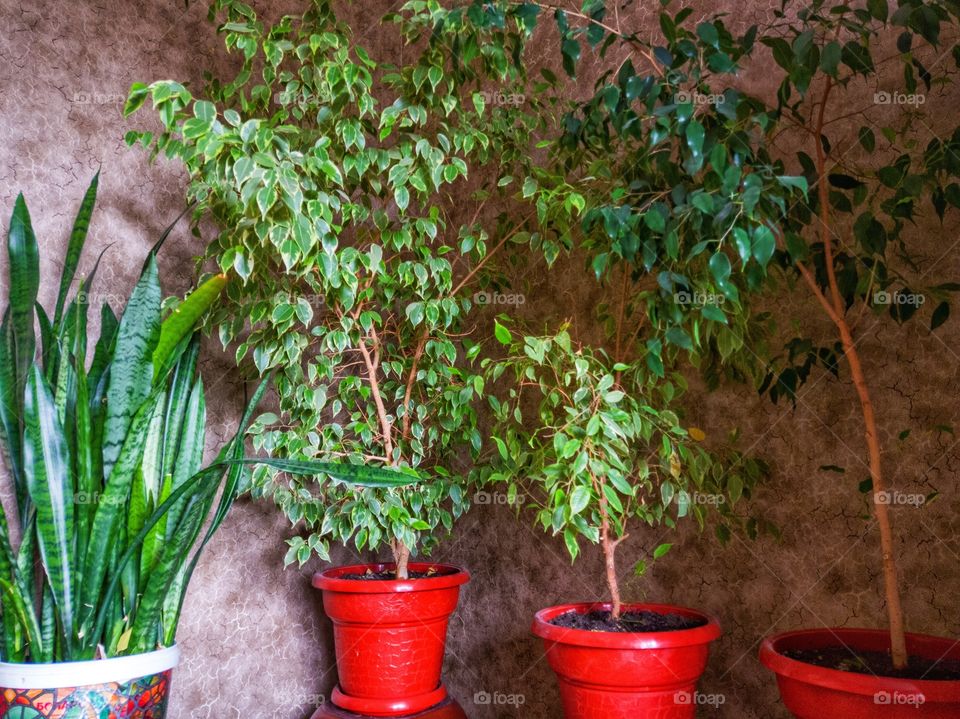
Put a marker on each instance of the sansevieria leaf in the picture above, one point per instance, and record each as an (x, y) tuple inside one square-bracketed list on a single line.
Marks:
[(47, 470), (184, 318), (131, 372), (24, 273), (78, 237)]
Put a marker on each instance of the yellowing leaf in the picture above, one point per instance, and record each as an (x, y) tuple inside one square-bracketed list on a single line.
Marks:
[(696, 433)]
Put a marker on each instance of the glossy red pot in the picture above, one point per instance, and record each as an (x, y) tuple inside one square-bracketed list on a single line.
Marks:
[(390, 636), (642, 675), (812, 692)]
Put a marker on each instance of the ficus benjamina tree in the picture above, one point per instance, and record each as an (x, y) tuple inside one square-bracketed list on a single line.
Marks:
[(355, 243), (604, 448), (696, 188)]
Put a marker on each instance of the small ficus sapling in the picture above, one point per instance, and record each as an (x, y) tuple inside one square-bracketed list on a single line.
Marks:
[(604, 448)]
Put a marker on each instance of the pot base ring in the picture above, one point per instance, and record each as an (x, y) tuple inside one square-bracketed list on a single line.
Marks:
[(404, 707), (448, 708)]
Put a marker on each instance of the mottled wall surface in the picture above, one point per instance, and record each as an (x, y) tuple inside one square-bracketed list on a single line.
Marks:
[(254, 638)]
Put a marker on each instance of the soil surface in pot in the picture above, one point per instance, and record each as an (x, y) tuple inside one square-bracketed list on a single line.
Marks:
[(630, 621), (391, 575), (877, 663)]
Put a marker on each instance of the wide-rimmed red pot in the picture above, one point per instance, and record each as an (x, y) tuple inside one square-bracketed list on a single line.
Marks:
[(812, 692), (628, 675), (390, 635)]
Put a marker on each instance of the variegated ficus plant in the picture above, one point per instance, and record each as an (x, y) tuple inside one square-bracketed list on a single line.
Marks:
[(104, 456)]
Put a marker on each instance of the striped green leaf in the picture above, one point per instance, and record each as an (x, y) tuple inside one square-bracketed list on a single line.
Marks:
[(131, 371), (47, 470), (113, 503), (78, 237), (24, 276), (190, 447), (10, 409)]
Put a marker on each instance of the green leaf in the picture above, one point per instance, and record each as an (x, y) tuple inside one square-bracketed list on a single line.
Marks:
[(47, 470), (798, 181), (878, 9), (24, 283), (131, 372), (695, 136), (579, 499), (661, 550), (764, 244), (502, 333), (183, 320), (720, 268), (830, 58), (940, 315), (570, 539), (78, 236)]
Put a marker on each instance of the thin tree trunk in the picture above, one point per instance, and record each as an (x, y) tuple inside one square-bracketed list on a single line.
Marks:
[(401, 555), (609, 552), (898, 644), (836, 310)]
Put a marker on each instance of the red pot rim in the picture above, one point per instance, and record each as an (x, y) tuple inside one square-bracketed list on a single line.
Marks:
[(853, 682), (626, 640), (448, 576)]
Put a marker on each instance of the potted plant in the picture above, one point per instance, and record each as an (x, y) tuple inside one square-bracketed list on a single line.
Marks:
[(608, 451), (339, 189), (112, 506), (677, 161)]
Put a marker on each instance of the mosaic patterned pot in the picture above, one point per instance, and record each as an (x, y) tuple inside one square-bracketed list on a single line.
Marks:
[(812, 692), (134, 687), (628, 675), (389, 636)]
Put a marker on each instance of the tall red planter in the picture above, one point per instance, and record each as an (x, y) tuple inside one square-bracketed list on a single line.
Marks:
[(390, 636), (812, 692), (643, 675)]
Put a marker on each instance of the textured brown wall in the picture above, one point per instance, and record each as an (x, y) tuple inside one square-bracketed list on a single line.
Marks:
[(254, 638)]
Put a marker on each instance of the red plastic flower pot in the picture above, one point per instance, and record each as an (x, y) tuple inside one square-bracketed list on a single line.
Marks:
[(812, 692), (629, 675), (390, 636)]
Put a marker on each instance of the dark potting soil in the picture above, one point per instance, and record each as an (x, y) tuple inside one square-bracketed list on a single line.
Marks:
[(391, 575), (630, 621), (877, 663)]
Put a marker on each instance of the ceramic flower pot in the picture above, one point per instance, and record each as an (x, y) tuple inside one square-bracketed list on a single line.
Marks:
[(627, 675), (134, 687), (812, 692), (390, 635)]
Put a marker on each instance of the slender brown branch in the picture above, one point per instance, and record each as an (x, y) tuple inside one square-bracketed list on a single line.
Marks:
[(411, 378), (470, 275)]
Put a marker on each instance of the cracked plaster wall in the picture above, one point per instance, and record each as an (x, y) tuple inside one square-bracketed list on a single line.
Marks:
[(254, 638)]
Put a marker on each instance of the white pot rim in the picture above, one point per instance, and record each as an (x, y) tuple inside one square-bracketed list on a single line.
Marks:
[(64, 675)]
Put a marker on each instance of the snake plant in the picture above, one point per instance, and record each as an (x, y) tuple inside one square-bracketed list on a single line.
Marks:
[(104, 455)]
